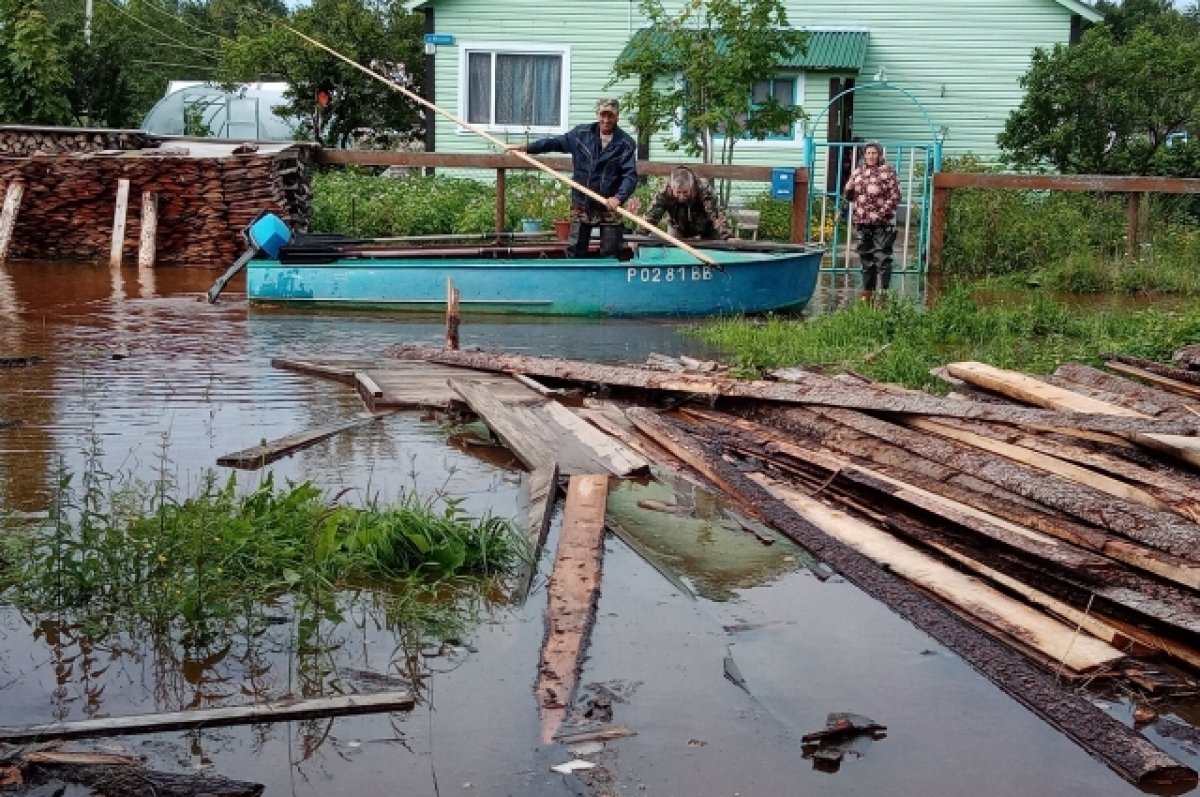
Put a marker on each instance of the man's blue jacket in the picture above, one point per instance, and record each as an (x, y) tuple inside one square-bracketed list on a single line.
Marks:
[(611, 171)]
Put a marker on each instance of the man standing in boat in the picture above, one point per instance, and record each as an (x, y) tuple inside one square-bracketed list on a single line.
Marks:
[(603, 158)]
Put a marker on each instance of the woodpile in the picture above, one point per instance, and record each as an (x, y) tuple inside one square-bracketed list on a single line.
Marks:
[(1045, 529), (21, 140), (204, 203)]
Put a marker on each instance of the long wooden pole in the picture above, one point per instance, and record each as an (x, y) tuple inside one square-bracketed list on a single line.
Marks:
[(654, 230)]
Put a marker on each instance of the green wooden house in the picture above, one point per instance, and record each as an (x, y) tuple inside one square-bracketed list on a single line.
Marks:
[(945, 68)]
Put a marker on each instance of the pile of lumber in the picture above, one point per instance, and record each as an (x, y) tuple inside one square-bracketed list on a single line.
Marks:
[(203, 202), (1046, 529)]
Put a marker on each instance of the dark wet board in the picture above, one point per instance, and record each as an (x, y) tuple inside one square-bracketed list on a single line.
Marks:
[(212, 718), (260, 455)]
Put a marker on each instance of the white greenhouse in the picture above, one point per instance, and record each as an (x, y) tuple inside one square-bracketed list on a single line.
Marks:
[(195, 108)]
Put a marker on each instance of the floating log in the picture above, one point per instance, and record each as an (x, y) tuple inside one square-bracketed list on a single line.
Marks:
[(573, 592), (541, 485), (1123, 749), (117, 776), (211, 718), (822, 391), (260, 455)]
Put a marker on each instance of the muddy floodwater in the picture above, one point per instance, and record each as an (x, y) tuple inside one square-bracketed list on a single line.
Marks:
[(718, 650)]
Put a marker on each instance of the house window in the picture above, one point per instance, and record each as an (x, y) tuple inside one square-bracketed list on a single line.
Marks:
[(515, 88), (786, 91)]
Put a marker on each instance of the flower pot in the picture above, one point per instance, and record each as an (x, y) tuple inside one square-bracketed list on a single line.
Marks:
[(562, 228), (531, 225)]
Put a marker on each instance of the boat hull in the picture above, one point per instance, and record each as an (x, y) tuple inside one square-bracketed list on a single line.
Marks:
[(658, 281)]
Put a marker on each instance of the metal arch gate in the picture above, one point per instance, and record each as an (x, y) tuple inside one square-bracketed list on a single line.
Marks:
[(915, 162)]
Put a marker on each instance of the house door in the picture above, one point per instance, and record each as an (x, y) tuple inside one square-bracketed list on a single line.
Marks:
[(839, 128)]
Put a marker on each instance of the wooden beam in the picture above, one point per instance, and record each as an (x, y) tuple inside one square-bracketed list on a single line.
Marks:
[(211, 718), (258, 456), (1014, 620), (572, 596), (817, 391), (1068, 182)]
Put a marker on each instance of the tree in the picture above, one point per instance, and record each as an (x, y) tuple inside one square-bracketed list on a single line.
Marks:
[(1105, 106), (702, 71), (381, 37), (32, 78)]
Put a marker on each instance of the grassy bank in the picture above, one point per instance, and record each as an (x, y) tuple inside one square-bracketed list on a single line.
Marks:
[(900, 342)]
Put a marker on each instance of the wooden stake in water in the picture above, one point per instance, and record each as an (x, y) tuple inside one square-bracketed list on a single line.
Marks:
[(118, 231), (452, 319), (8, 216), (146, 246)]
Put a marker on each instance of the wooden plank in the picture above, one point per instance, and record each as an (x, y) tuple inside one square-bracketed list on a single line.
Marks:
[(258, 456), (518, 430), (211, 718), (815, 392), (1126, 751), (118, 228), (541, 486), (1165, 532), (338, 370), (1094, 625), (573, 593), (367, 389), (1035, 391), (1049, 464), (8, 216), (618, 457), (1171, 383)]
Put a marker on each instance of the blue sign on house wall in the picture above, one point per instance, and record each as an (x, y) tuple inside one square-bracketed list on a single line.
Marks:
[(783, 183), (439, 38)]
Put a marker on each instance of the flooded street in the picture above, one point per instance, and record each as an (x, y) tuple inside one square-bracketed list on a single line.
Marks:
[(131, 376)]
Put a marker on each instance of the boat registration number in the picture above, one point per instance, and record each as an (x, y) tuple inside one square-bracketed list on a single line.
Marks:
[(669, 274)]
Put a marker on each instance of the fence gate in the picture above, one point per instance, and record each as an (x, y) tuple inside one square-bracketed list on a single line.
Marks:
[(830, 164)]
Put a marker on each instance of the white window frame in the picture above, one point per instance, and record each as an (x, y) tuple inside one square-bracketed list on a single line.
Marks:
[(466, 49), (801, 125)]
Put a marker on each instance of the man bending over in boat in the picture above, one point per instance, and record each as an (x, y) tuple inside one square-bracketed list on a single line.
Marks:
[(603, 158), (690, 204)]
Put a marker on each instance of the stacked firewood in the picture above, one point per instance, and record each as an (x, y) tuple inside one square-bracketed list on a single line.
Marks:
[(204, 203)]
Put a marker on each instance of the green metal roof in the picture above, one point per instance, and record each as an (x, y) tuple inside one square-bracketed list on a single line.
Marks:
[(833, 50), (828, 50)]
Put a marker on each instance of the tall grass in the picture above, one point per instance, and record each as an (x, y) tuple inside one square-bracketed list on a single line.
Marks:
[(899, 342), (132, 557)]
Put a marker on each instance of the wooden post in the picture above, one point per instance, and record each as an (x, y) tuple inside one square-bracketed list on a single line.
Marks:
[(799, 205), (501, 192), (452, 319), (937, 239), (149, 229), (1132, 213), (8, 216), (118, 231)]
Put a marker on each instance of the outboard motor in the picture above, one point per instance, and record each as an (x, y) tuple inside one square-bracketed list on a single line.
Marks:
[(267, 234)]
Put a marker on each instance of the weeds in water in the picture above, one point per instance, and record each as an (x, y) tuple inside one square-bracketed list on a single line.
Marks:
[(899, 341), (136, 559)]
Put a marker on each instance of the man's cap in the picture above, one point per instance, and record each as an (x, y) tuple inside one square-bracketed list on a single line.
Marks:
[(608, 104)]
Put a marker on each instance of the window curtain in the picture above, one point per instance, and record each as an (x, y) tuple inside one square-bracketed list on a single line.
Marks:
[(479, 88), (528, 90)]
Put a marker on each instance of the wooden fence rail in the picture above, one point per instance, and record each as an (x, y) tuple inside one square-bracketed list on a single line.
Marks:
[(501, 164), (1132, 186)]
